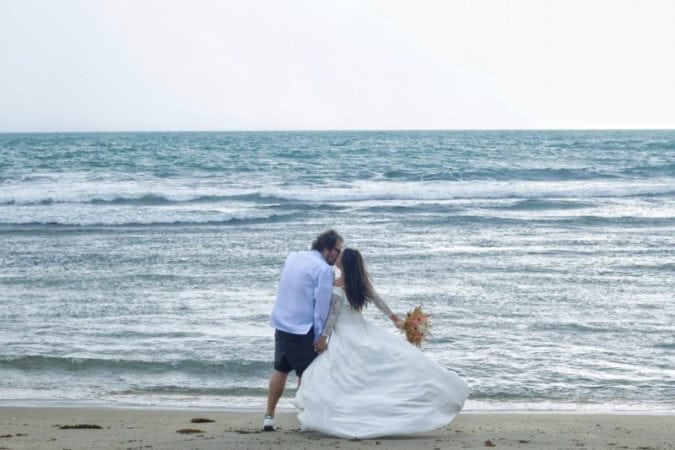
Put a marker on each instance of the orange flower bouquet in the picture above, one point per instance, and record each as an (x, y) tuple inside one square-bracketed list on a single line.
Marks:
[(416, 326)]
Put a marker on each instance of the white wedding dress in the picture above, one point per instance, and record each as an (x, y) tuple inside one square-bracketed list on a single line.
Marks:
[(371, 383)]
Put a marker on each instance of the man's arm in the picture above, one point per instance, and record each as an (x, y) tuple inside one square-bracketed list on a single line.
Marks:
[(322, 295)]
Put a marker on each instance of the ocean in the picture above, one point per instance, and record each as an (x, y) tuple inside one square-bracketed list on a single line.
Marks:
[(139, 269)]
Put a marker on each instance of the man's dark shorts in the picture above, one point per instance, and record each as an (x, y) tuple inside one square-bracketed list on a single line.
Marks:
[(293, 351)]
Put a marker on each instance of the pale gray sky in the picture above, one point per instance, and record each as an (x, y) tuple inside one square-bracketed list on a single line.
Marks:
[(90, 65)]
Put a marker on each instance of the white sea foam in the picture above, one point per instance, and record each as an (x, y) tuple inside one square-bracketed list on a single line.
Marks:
[(75, 188)]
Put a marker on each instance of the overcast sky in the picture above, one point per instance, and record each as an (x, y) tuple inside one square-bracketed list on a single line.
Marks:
[(86, 65)]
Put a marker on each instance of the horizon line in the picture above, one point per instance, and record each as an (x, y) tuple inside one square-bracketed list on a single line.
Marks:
[(326, 130)]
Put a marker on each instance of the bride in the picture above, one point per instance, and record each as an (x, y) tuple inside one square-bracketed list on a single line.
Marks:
[(369, 382)]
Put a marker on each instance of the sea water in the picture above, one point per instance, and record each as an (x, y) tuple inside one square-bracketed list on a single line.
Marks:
[(139, 269)]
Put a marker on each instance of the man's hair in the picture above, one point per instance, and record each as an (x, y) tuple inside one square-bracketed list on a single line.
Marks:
[(326, 240)]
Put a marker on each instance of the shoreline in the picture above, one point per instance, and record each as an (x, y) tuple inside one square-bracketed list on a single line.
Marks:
[(123, 427), (285, 406)]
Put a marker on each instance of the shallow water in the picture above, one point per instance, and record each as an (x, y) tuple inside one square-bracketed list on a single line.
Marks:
[(140, 268)]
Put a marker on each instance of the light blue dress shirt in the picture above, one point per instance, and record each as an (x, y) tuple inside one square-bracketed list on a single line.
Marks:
[(304, 294)]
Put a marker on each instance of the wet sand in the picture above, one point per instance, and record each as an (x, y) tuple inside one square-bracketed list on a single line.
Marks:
[(63, 428)]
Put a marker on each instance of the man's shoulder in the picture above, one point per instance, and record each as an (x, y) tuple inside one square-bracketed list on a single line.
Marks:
[(310, 258), (309, 254)]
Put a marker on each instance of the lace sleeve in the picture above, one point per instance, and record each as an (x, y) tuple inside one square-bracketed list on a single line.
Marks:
[(335, 304), (382, 305)]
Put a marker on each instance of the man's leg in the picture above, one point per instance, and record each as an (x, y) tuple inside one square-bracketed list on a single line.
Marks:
[(276, 389)]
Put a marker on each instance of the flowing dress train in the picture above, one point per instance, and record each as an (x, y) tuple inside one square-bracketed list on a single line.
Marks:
[(371, 383)]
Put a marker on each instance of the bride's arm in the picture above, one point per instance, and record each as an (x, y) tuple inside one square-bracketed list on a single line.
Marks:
[(333, 311), (382, 306)]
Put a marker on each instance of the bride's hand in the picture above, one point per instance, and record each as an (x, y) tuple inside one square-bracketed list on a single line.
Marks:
[(321, 344), (397, 322)]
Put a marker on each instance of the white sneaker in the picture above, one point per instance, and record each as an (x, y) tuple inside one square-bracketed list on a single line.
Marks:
[(268, 423)]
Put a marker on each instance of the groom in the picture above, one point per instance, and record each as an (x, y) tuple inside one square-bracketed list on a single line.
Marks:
[(303, 299)]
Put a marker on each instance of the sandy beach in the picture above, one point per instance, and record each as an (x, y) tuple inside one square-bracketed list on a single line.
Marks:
[(84, 428)]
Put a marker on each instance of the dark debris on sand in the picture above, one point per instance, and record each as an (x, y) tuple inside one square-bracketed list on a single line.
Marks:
[(81, 426), (189, 431)]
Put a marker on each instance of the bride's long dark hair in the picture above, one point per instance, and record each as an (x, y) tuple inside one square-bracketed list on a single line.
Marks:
[(358, 286)]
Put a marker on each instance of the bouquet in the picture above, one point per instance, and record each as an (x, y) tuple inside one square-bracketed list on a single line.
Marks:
[(416, 326)]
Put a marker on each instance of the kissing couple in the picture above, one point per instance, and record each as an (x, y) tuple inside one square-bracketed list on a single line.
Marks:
[(356, 380)]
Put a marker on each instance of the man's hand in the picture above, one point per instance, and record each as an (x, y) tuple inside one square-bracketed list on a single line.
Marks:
[(321, 344)]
